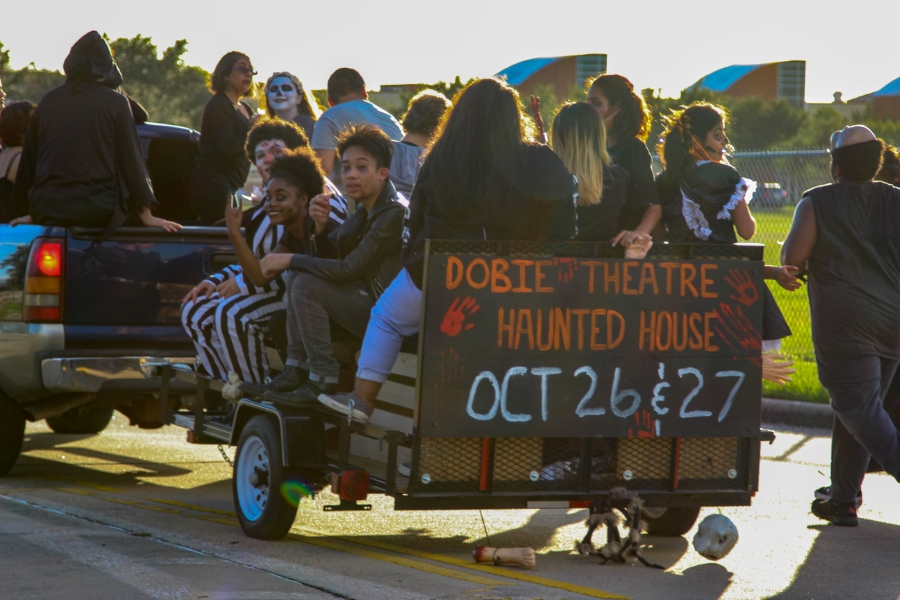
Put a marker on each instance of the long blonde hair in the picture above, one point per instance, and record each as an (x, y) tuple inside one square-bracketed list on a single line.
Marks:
[(579, 139)]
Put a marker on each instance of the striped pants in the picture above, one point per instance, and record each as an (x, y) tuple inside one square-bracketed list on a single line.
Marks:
[(228, 333)]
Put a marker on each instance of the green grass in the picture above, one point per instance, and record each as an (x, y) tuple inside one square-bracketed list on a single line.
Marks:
[(773, 227)]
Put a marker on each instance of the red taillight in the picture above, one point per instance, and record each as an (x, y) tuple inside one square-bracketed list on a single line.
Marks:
[(49, 260), (43, 281)]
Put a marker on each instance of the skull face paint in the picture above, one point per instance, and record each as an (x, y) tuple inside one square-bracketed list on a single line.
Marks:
[(282, 96)]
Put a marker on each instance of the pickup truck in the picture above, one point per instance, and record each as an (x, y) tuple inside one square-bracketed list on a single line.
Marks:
[(84, 325)]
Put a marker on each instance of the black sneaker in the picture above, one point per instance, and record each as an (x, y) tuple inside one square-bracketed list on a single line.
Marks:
[(286, 381), (348, 404), (843, 515), (824, 493), (305, 395)]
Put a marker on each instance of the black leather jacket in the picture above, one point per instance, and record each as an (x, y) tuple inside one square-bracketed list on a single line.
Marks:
[(366, 246)]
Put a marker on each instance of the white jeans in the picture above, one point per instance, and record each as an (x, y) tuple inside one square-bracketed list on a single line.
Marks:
[(394, 317)]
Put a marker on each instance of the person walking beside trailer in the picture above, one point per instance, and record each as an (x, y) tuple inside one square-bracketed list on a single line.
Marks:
[(481, 180), (844, 235), (226, 314)]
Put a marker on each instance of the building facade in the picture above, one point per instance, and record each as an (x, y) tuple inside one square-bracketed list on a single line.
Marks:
[(770, 81), (563, 73)]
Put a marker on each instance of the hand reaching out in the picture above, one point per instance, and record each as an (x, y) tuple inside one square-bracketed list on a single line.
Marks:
[(785, 277), (775, 371), (536, 115)]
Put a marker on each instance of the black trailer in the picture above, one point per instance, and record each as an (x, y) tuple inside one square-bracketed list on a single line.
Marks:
[(546, 375)]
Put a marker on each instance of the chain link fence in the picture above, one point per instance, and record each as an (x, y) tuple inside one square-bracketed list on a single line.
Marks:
[(781, 179)]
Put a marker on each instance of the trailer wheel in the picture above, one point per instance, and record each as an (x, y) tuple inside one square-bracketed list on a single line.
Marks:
[(81, 420), (674, 522), (258, 475), (12, 431)]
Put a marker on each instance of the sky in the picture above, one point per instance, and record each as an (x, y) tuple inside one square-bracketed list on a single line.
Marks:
[(659, 45)]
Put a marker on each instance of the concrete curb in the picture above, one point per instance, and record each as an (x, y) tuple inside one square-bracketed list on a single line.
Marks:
[(791, 413)]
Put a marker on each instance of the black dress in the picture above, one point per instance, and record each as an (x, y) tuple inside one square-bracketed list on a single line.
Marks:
[(633, 156), (222, 165)]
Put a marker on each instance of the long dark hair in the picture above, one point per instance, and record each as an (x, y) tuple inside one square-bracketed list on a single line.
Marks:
[(685, 129), (633, 119), (477, 151)]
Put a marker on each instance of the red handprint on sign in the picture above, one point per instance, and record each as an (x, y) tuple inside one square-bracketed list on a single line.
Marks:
[(737, 331), (566, 268), (744, 286), (452, 324), (647, 426)]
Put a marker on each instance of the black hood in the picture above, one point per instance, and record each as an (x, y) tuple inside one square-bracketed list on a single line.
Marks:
[(91, 60)]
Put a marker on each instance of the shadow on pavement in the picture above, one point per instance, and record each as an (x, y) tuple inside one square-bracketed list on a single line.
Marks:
[(849, 562)]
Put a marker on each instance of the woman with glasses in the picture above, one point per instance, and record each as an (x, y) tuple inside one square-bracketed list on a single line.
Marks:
[(286, 99), (222, 165)]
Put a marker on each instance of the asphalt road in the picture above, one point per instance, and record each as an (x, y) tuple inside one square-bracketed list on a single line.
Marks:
[(142, 514)]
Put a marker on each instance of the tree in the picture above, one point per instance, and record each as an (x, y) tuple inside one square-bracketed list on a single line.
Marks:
[(758, 124), (171, 91), (28, 83)]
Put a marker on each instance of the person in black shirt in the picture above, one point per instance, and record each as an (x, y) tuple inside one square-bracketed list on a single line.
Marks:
[(222, 166), (628, 121), (343, 275), (844, 235), (578, 137), (481, 180), (81, 160)]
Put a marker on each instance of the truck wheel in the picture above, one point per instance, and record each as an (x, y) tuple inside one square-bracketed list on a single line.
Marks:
[(261, 507), (12, 431), (676, 521), (81, 420)]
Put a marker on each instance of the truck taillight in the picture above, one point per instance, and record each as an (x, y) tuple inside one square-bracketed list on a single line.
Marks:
[(43, 281)]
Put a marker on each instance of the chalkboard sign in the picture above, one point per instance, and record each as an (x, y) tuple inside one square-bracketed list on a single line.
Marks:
[(536, 346)]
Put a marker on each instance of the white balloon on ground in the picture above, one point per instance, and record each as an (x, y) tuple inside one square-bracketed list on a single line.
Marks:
[(716, 536)]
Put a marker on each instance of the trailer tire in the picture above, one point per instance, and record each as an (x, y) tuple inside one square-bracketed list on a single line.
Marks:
[(674, 522), (256, 484), (12, 432), (81, 420)]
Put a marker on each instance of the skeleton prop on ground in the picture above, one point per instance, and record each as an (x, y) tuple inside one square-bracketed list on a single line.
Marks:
[(716, 536), (520, 557), (604, 512), (231, 391)]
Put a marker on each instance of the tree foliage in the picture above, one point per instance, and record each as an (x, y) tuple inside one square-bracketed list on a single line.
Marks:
[(171, 91)]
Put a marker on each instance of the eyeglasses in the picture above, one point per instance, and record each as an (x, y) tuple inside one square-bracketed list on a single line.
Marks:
[(244, 70), (285, 87)]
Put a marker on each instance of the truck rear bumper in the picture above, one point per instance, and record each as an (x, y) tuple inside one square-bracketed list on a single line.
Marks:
[(92, 373)]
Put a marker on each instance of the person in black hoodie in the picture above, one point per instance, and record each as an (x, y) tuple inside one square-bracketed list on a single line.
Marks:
[(481, 180), (342, 275), (81, 161)]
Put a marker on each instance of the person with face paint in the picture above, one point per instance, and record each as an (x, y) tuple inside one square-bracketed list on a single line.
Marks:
[(226, 313), (222, 167), (844, 237), (705, 200), (344, 277), (289, 101)]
